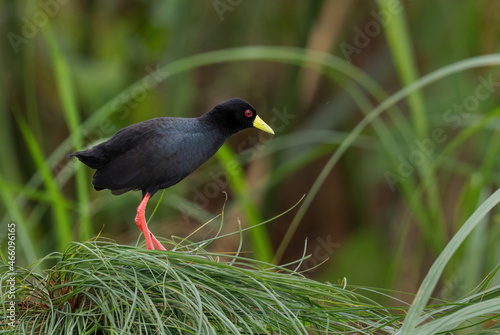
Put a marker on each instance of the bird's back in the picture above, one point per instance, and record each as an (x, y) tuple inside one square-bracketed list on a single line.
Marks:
[(152, 155)]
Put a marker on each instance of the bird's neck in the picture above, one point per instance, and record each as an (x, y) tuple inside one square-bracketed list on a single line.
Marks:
[(218, 122)]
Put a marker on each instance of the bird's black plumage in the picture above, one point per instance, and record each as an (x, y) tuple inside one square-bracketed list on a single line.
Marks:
[(158, 153)]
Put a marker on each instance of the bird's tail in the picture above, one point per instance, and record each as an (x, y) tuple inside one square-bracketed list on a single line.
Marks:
[(94, 157)]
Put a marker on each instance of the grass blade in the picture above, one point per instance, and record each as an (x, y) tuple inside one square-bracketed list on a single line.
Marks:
[(66, 92), (488, 60), (428, 285), (61, 219), (399, 40), (448, 322), (258, 235)]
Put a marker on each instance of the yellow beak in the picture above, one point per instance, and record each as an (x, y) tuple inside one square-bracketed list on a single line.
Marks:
[(259, 124)]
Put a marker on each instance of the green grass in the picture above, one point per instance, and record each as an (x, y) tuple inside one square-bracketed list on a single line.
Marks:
[(69, 104), (99, 287), (414, 316), (400, 45), (104, 288), (59, 207), (261, 241)]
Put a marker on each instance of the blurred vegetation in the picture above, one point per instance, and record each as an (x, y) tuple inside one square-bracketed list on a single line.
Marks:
[(392, 161)]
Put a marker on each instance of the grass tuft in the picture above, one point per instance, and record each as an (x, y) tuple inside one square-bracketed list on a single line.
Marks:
[(99, 287)]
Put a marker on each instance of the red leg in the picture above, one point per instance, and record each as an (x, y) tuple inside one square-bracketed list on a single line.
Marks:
[(140, 221)]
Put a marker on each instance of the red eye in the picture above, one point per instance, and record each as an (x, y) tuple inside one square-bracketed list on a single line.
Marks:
[(248, 113)]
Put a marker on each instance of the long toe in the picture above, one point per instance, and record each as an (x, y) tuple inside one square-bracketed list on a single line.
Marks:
[(157, 243)]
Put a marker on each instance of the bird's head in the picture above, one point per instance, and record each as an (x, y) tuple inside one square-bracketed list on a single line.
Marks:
[(237, 114)]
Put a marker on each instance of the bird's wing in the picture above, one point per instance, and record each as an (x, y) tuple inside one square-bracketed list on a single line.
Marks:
[(157, 156)]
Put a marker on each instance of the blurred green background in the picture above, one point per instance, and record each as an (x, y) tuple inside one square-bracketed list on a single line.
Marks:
[(74, 72)]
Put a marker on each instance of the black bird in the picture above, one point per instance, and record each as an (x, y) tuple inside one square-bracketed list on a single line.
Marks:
[(158, 153)]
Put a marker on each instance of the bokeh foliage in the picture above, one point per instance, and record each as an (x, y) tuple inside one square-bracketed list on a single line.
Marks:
[(382, 200)]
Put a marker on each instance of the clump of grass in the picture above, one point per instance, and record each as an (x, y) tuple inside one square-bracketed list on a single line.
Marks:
[(99, 287)]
